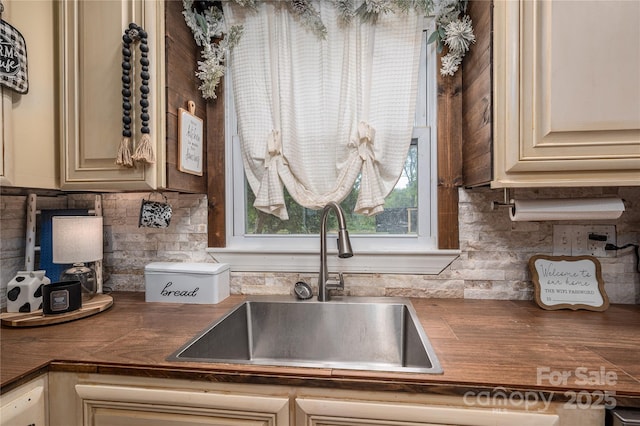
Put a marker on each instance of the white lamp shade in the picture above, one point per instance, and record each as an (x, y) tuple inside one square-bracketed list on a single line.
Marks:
[(77, 239)]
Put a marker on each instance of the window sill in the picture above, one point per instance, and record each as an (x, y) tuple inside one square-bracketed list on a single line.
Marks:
[(430, 262)]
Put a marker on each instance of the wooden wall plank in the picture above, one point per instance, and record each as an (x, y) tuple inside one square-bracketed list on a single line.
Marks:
[(216, 176), (477, 101), (181, 55), (449, 158)]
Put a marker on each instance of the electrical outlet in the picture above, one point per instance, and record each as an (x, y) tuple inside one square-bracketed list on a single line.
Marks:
[(580, 243), (573, 240), (562, 237), (596, 247)]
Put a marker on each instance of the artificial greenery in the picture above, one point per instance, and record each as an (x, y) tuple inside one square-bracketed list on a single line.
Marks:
[(207, 26), (206, 21)]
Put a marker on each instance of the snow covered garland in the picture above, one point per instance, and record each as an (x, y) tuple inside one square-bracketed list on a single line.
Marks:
[(206, 20)]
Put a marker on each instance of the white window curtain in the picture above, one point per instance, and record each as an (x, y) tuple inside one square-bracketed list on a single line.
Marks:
[(314, 113)]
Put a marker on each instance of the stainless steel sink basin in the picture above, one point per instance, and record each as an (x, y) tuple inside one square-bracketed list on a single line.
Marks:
[(381, 334)]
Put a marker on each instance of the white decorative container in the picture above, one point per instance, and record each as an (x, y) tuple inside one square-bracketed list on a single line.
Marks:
[(24, 292), (176, 282)]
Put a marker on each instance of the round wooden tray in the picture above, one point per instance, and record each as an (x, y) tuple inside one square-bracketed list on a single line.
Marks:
[(97, 304)]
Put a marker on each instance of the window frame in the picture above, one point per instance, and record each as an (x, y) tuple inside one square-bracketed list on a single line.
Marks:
[(259, 253)]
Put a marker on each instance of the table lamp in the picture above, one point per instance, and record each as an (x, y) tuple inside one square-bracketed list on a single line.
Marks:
[(78, 240)]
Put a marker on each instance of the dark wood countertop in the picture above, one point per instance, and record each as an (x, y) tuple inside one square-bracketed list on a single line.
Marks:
[(481, 344)]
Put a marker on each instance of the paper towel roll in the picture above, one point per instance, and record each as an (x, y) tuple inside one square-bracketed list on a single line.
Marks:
[(566, 209)]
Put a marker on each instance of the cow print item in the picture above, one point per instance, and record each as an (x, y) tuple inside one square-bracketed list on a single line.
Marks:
[(155, 214), (13, 294), (24, 292)]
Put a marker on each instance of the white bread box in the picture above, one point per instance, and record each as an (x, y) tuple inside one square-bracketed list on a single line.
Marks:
[(177, 282)]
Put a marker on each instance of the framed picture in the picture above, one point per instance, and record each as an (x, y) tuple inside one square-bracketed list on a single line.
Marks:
[(190, 141), (568, 282)]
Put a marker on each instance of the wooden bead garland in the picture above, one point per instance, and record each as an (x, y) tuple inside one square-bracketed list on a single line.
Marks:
[(144, 150)]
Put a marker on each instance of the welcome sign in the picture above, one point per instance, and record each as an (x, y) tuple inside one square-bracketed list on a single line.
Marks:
[(13, 59), (568, 282)]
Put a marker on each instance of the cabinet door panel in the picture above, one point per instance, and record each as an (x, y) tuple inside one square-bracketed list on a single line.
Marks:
[(104, 405), (583, 83), (99, 78), (325, 412), (90, 92), (581, 58), (111, 416)]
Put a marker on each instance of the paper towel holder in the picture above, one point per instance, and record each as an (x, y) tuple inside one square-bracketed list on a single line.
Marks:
[(604, 208), (505, 203)]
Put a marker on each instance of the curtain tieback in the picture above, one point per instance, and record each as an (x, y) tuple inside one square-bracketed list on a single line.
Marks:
[(366, 135), (274, 147)]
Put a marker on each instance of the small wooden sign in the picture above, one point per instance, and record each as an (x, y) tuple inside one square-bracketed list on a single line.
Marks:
[(190, 135), (13, 59), (568, 282)]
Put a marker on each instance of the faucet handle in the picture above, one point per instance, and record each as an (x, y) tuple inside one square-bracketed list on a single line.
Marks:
[(334, 284)]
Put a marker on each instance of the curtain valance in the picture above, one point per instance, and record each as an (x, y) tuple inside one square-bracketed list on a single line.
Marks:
[(315, 114)]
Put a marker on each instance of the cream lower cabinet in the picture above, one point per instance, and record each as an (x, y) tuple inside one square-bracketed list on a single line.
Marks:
[(396, 409), (322, 412), (96, 400), (26, 404), (102, 400), (566, 93), (107, 405), (90, 68)]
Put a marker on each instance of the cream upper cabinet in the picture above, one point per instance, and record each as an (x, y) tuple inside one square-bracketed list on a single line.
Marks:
[(566, 93), (29, 154), (90, 44)]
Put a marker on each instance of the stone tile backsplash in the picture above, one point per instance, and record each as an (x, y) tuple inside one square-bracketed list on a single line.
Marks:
[(492, 263)]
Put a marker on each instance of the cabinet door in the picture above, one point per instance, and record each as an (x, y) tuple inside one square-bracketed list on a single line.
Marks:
[(106, 405), (25, 405), (29, 140), (326, 412), (566, 92), (90, 92)]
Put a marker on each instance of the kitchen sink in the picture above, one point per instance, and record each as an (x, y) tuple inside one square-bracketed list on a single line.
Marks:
[(359, 333)]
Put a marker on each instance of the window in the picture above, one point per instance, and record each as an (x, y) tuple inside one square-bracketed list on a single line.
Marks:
[(402, 239)]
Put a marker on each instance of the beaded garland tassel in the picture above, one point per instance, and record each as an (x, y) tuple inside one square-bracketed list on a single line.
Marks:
[(144, 150)]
